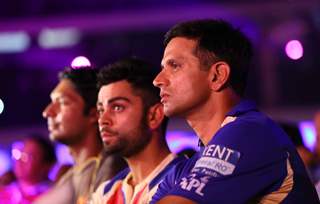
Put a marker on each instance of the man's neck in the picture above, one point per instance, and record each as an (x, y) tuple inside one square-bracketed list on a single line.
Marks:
[(87, 148), (143, 163), (207, 119)]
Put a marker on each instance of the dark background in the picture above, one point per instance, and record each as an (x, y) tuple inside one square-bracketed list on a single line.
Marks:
[(110, 30)]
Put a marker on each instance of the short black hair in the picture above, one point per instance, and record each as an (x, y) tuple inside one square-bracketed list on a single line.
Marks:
[(218, 40), (84, 80), (47, 147), (139, 74)]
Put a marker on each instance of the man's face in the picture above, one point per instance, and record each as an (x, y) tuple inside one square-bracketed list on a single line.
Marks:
[(122, 119), (28, 160), (65, 114), (184, 86)]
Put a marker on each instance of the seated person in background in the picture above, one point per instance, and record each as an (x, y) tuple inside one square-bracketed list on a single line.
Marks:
[(33, 160), (306, 155), (72, 120), (132, 123)]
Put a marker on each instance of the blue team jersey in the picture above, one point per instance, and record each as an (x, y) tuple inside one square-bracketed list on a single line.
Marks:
[(249, 160)]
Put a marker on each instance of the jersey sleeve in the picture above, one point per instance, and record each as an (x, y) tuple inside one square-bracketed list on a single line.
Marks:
[(164, 187), (241, 162), (172, 177)]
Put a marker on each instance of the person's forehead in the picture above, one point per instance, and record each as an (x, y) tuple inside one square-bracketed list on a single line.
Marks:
[(31, 146), (65, 88), (117, 89), (180, 48), (181, 43)]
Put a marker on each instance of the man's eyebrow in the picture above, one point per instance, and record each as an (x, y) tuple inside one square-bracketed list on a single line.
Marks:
[(119, 98), (56, 96), (99, 103)]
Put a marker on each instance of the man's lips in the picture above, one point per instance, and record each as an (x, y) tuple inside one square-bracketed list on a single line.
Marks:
[(106, 134), (164, 97), (52, 126)]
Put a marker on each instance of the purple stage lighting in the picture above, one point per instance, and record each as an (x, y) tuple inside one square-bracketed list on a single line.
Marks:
[(4, 161), (294, 49), (80, 61), (180, 140), (308, 132)]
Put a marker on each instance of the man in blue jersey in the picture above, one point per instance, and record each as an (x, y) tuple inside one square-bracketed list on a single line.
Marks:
[(246, 157)]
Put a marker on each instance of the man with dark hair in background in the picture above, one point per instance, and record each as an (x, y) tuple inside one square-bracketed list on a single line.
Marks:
[(132, 123), (73, 121), (246, 157)]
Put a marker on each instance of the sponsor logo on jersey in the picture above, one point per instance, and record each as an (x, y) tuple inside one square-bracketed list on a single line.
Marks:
[(216, 161), (217, 158)]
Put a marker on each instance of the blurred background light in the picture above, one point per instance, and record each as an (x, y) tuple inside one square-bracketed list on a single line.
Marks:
[(16, 154), (58, 38), (294, 49), (180, 140), (14, 42), (308, 134), (63, 154), (1, 106), (5, 162), (63, 158), (80, 61), (16, 148)]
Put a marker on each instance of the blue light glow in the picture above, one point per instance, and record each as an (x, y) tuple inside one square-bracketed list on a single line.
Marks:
[(179, 140), (5, 161), (308, 134), (58, 38), (63, 154), (13, 42)]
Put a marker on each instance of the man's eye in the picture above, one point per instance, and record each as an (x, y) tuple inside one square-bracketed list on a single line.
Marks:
[(174, 65), (100, 111), (62, 101), (117, 108)]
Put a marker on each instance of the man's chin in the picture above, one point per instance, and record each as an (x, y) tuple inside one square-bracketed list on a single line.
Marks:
[(109, 149), (167, 111), (170, 112), (57, 138), (53, 137)]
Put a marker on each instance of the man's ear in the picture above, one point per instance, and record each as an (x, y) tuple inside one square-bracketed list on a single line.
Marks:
[(155, 116), (219, 75)]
